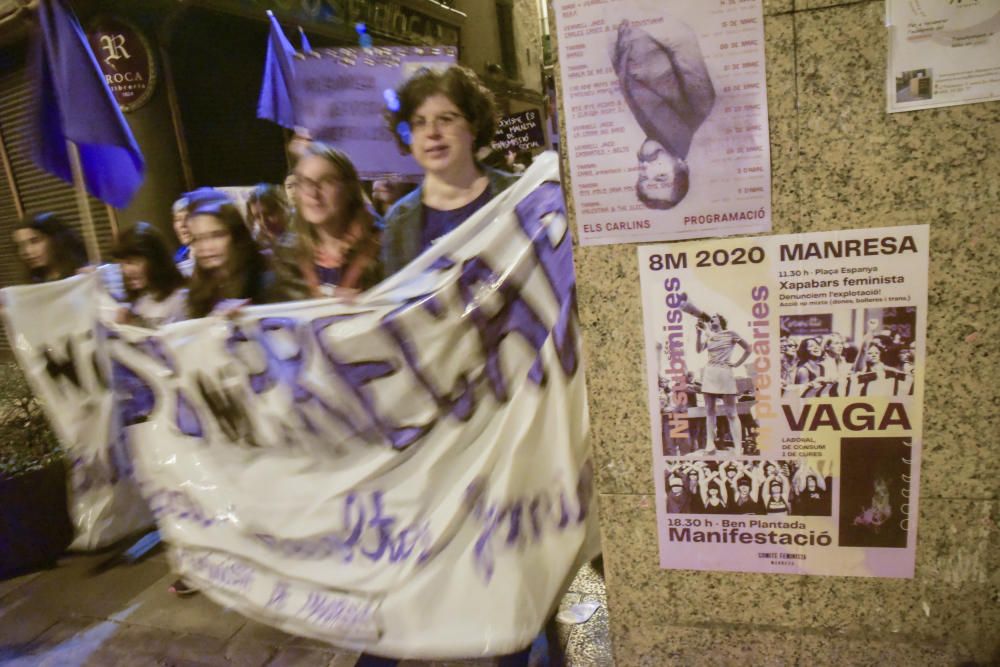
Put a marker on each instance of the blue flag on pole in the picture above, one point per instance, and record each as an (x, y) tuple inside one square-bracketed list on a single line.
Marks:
[(306, 46), (275, 103), (73, 103)]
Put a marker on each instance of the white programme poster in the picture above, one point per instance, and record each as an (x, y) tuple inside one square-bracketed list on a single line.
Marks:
[(942, 53), (785, 379), (666, 118)]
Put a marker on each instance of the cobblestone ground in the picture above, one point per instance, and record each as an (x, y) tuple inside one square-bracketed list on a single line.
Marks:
[(75, 614)]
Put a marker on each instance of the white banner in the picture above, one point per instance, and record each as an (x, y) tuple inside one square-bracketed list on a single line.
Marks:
[(54, 330), (407, 474)]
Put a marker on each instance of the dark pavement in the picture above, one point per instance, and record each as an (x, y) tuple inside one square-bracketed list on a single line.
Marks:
[(75, 614)]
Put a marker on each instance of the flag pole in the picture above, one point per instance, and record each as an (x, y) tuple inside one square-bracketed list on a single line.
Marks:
[(83, 204), (113, 221)]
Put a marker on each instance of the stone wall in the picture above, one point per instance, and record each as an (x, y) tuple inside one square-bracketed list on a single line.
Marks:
[(839, 162)]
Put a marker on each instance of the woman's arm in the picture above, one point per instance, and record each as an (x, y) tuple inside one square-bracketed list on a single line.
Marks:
[(703, 488), (859, 362), (738, 340), (756, 480), (799, 478)]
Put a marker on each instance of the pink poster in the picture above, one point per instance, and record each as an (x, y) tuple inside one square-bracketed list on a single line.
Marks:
[(666, 118), (785, 379)]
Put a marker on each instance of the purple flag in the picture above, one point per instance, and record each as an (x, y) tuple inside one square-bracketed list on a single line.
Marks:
[(275, 103), (306, 46), (73, 103)]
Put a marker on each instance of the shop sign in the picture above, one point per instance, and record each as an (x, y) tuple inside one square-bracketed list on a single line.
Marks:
[(126, 60)]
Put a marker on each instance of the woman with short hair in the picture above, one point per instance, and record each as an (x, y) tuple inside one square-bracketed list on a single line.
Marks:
[(443, 118)]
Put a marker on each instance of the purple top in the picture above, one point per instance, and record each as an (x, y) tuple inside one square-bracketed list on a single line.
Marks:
[(438, 223), (328, 276)]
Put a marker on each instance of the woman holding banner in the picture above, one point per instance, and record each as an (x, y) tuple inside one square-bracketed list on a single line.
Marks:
[(48, 249), (153, 283), (442, 118), (230, 268), (873, 376), (338, 235)]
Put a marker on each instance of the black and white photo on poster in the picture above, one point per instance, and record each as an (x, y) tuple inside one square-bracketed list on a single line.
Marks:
[(708, 390), (663, 78), (849, 352), (780, 487)]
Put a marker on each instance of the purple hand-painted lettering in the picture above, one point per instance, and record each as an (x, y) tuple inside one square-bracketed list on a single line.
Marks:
[(514, 315), (279, 595), (460, 402), (370, 532), (492, 515), (556, 262), (357, 375), (134, 397), (172, 504), (260, 381), (224, 572), (186, 417), (329, 611), (287, 371)]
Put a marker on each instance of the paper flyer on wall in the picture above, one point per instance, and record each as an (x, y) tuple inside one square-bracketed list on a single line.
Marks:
[(666, 118), (942, 53), (785, 379)]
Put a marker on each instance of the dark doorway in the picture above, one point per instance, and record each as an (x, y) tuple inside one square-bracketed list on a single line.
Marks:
[(218, 61)]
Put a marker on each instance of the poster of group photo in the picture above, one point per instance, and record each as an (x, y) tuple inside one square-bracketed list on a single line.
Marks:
[(785, 381), (666, 118)]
